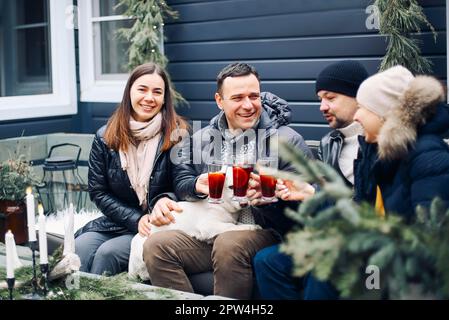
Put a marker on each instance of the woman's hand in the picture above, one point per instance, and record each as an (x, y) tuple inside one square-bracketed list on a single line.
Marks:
[(202, 184), (292, 191), (144, 226), (161, 214)]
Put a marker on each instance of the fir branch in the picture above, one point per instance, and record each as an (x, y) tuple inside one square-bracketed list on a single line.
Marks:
[(117, 287), (398, 19)]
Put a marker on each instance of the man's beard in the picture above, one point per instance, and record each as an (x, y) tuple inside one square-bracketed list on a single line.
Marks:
[(340, 123)]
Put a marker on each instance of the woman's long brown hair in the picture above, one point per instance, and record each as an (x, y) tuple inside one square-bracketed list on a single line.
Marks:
[(118, 134)]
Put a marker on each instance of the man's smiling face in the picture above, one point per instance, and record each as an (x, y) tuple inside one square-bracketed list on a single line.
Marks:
[(240, 101)]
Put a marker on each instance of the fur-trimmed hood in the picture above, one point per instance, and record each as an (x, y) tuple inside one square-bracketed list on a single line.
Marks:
[(418, 106)]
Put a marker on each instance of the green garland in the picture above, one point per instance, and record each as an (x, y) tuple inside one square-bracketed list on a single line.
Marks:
[(337, 243), (116, 287), (398, 20)]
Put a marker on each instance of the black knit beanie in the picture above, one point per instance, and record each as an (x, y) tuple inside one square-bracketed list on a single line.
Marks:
[(342, 77)]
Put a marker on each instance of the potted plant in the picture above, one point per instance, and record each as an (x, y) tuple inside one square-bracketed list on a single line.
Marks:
[(15, 176)]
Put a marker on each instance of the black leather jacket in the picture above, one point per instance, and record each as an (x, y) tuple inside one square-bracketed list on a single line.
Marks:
[(330, 149), (110, 188)]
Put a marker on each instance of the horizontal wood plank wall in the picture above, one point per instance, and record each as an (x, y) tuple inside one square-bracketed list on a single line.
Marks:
[(288, 41)]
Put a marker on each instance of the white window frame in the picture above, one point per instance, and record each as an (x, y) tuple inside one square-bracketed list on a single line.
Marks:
[(63, 99), (92, 89)]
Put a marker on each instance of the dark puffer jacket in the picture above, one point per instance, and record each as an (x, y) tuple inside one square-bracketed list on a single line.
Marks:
[(276, 115), (110, 188), (410, 163)]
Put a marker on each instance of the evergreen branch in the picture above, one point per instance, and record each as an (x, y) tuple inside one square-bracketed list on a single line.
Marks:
[(398, 19)]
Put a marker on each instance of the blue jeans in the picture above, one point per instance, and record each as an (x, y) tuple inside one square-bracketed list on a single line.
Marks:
[(103, 252), (273, 271)]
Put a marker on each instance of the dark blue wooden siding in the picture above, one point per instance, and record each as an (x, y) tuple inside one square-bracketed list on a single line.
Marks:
[(288, 41)]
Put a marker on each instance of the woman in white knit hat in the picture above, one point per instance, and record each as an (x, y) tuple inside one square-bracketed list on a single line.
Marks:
[(403, 160)]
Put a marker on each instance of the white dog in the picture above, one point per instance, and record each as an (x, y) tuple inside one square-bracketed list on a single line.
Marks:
[(201, 220)]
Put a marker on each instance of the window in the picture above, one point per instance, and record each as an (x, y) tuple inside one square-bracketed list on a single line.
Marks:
[(103, 55), (37, 77), (110, 51), (26, 60)]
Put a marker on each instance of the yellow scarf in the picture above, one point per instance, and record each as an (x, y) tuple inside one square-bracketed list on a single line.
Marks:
[(379, 205)]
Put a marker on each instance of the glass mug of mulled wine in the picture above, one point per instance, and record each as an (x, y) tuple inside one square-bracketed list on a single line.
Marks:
[(242, 167), (216, 179), (267, 168)]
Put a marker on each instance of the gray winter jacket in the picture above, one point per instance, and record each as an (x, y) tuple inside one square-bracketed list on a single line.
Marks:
[(274, 119)]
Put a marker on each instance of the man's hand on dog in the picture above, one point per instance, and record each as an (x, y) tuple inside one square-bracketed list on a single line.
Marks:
[(161, 214)]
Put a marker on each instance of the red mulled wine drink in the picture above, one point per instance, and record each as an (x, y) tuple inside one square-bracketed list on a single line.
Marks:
[(240, 179), (267, 168), (216, 183), (216, 180), (268, 186)]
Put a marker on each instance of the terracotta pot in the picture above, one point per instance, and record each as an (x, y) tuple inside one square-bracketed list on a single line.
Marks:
[(13, 217)]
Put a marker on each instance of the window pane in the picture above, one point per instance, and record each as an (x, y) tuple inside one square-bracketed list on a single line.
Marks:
[(31, 11), (33, 57), (112, 51), (107, 8), (26, 48)]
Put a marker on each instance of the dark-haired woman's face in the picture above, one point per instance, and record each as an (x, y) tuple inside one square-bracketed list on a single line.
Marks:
[(147, 96)]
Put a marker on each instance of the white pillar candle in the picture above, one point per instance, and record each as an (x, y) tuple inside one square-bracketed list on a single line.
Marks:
[(31, 215), (69, 240), (10, 247), (43, 252)]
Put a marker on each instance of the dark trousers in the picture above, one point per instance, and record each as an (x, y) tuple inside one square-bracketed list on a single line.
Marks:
[(275, 281), (103, 252)]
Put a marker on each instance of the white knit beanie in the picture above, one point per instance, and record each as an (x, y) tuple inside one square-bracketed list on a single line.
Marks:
[(383, 91)]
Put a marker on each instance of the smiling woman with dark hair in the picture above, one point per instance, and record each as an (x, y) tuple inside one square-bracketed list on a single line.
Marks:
[(128, 166)]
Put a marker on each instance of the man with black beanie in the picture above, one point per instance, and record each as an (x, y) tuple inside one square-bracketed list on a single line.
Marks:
[(336, 87)]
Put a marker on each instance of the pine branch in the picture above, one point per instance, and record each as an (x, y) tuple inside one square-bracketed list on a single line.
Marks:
[(398, 20)]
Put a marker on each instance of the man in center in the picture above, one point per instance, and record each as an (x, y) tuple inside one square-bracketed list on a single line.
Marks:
[(171, 256)]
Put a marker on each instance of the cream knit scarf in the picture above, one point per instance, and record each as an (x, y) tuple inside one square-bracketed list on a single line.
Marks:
[(138, 160)]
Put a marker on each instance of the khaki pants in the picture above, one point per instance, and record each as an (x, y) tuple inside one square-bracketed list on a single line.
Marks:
[(171, 255)]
